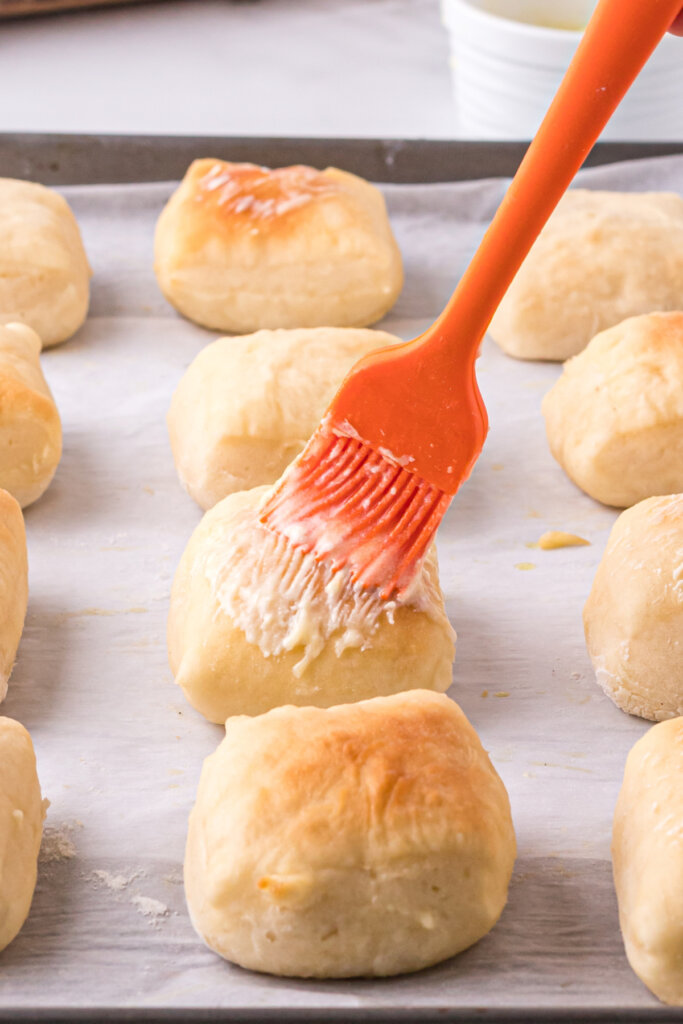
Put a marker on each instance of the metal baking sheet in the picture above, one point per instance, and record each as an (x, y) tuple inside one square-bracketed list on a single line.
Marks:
[(103, 159), (119, 751)]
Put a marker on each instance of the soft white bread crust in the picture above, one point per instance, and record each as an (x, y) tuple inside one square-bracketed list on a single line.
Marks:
[(614, 419), (21, 827), (13, 584), (602, 257), (44, 272), (647, 855), (30, 428), (240, 247), (634, 614), (365, 839), (246, 406), (222, 673)]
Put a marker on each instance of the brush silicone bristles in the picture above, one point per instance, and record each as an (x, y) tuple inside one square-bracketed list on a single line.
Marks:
[(352, 507)]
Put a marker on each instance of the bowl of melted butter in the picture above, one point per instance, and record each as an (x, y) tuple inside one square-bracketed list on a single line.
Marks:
[(509, 56)]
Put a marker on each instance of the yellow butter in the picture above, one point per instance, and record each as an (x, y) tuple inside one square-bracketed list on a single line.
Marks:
[(558, 539)]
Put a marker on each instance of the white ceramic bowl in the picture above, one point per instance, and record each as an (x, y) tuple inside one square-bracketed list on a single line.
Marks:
[(509, 56)]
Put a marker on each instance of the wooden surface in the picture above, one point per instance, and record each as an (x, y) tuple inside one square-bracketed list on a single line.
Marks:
[(22, 8)]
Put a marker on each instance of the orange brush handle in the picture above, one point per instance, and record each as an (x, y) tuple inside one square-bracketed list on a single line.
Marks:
[(618, 41), (432, 378)]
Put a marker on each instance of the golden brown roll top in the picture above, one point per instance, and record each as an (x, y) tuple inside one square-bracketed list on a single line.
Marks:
[(230, 199)]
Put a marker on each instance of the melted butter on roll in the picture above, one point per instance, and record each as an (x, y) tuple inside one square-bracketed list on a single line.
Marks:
[(284, 600)]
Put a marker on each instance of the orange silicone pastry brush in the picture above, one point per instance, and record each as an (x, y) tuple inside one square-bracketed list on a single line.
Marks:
[(408, 423)]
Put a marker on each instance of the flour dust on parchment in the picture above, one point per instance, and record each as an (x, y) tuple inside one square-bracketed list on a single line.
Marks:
[(114, 882), (149, 907), (57, 844)]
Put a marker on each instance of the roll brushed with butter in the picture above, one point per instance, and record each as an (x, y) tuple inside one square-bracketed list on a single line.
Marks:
[(255, 623)]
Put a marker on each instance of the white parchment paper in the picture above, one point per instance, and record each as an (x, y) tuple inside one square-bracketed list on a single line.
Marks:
[(119, 751)]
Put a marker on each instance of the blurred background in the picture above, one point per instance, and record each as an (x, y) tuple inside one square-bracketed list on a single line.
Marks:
[(388, 68)]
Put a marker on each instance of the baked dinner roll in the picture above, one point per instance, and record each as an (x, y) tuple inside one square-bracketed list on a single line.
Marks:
[(44, 272), (255, 623), (13, 585), (647, 854), (21, 827), (240, 247), (614, 419), (602, 257), (634, 615), (247, 406), (30, 428), (365, 839)]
